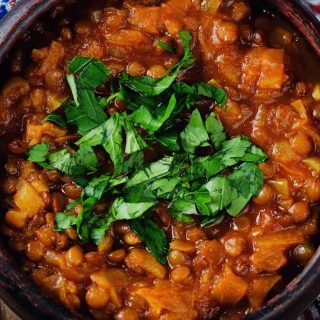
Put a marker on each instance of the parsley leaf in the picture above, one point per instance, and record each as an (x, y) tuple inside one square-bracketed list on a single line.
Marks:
[(98, 186), (149, 86), (84, 220), (134, 141), (153, 236), (152, 121), (86, 113), (195, 134), (84, 161), (92, 72), (155, 170), (38, 154), (122, 210), (65, 221), (55, 118), (113, 142), (215, 130), (165, 46), (168, 139)]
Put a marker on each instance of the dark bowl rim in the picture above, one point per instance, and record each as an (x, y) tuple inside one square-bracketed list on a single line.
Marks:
[(287, 305)]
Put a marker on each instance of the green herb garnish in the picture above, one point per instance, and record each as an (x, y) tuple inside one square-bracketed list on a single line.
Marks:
[(202, 187)]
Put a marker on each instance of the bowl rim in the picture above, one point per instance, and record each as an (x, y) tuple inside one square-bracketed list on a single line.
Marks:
[(287, 305)]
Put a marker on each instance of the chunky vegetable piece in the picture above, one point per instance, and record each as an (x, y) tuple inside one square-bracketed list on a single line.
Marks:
[(161, 159)]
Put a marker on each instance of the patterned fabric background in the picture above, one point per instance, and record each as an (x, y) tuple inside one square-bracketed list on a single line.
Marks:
[(313, 312)]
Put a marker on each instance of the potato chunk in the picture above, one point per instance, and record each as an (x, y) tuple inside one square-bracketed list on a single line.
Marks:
[(141, 260), (259, 289), (53, 59), (102, 279), (229, 289), (272, 69), (15, 88), (210, 253), (165, 297), (264, 68), (268, 261), (280, 240), (138, 19), (27, 199), (35, 130)]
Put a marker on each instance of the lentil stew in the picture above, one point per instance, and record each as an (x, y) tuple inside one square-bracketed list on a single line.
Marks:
[(222, 68)]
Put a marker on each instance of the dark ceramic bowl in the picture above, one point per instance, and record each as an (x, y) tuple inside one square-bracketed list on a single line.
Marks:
[(17, 290)]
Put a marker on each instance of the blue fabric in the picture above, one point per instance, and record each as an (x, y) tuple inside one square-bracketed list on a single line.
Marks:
[(5, 6)]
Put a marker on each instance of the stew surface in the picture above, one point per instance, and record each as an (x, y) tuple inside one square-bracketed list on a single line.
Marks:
[(82, 241)]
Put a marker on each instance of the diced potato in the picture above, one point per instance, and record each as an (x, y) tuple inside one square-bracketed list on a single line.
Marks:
[(182, 245), (55, 259), (15, 88), (40, 185), (52, 130), (281, 151), (209, 253), (316, 92), (234, 246), (313, 163), (268, 260), (231, 113), (280, 240), (35, 130), (251, 68), (281, 186), (272, 69), (16, 219), (211, 6), (33, 133), (26, 168), (300, 108), (55, 100), (46, 235), (165, 296), (27, 199), (230, 72), (53, 59), (176, 8), (102, 279), (240, 10), (112, 19), (259, 289), (226, 31), (173, 26), (137, 18), (140, 259), (229, 289), (264, 67), (93, 48), (128, 38), (39, 54)]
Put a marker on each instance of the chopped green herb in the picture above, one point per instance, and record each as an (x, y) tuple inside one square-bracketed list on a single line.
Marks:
[(153, 236), (209, 186), (38, 154), (55, 118), (121, 210), (195, 134), (165, 46)]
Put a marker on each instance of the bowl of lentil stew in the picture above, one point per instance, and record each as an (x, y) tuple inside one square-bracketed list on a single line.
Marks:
[(115, 268)]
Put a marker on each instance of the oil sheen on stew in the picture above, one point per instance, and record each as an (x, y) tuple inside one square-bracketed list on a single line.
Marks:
[(192, 243)]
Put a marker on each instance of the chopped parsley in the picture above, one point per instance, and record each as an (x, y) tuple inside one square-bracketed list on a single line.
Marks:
[(202, 187)]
